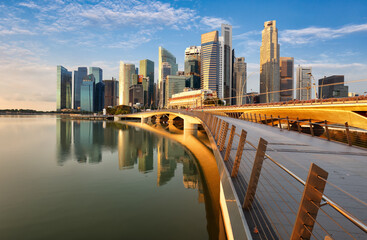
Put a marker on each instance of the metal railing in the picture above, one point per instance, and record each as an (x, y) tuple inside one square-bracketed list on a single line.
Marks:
[(277, 203), (331, 132)]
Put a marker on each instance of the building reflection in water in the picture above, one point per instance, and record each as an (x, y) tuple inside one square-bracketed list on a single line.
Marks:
[(135, 147)]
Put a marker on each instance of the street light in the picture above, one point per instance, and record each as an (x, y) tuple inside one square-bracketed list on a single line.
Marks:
[(314, 83)]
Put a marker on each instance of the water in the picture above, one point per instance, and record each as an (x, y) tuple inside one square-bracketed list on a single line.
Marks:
[(64, 179)]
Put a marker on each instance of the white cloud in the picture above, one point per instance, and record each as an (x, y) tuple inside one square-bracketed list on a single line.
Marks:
[(311, 34), (213, 22)]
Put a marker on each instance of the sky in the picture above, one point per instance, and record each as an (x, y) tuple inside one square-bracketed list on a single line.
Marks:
[(36, 36)]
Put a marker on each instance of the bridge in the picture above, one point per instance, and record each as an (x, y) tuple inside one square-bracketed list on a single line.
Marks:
[(277, 183)]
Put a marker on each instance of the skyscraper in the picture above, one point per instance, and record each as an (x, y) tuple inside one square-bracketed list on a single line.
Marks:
[(303, 86), (165, 56), (63, 88), (334, 87), (87, 94), (174, 84), (209, 60), (227, 61), (221, 67), (110, 92), (78, 80), (100, 87), (192, 65), (165, 70), (269, 64), (125, 72), (286, 78), (239, 80), (147, 70)]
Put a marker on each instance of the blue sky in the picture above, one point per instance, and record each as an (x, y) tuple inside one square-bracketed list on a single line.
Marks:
[(35, 36)]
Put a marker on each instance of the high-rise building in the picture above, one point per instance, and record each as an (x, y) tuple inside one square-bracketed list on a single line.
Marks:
[(99, 85), (63, 88), (87, 94), (221, 67), (110, 95), (147, 70), (239, 81), (78, 80), (125, 73), (136, 94), (227, 62), (269, 64), (165, 56), (192, 65), (166, 70), (303, 86), (334, 87), (174, 84), (209, 60), (286, 67)]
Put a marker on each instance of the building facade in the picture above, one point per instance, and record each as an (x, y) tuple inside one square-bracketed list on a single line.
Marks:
[(63, 88), (239, 81), (147, 70), (286, 78), (303, 85), (210, 61), (334, 87), (78, 80), (174, 84), (110, 94), (190, 99), (269, 64), (87, 94), (164, 56), (193, 65), (226, 32), (125, 73), (136, 95)]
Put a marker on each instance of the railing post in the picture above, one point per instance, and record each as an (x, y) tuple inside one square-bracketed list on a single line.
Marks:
[(260, 118), (255, 118), (251, 117), (266, 120), (224, 136), (280, 123), (298, 126), (310, 203), (247, 117), (255, 174), (212, 125), (327, 131), (230, 142), (272, 121), (220, 133), (288, 127), (237, 161), (217, 129), (311, 128), (348, 133)]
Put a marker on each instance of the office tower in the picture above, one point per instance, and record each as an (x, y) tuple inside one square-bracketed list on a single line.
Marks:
[(233, 90), (63, 88), (239, 81), (147, 70), (286, 67), (209, 60), (334, 87), (99, 85), (136, 70), (269, 64), (87, 94), (136, 95), (227, 62), (145, 83), (303, 86), (125, 72), (110, 96), (174, 84), (166, 70), (165, 56), (78, 79), (221, 67), (134, 79), (192, 65)]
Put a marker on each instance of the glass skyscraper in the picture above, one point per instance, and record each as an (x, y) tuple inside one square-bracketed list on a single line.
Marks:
[(192, 65), (78, 80), (174, 84), (210, 60), (227, 62), (286, 78), (100, 87), (87, 94), (165, 56), (147, 70), (63, 88)]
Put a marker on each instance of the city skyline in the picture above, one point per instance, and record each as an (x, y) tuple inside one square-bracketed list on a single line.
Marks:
[(36, 36)]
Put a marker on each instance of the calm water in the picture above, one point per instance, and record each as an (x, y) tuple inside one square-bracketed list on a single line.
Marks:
[(63, 179)]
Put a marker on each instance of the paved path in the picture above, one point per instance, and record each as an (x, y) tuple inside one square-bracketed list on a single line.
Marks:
[(347, 168)]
